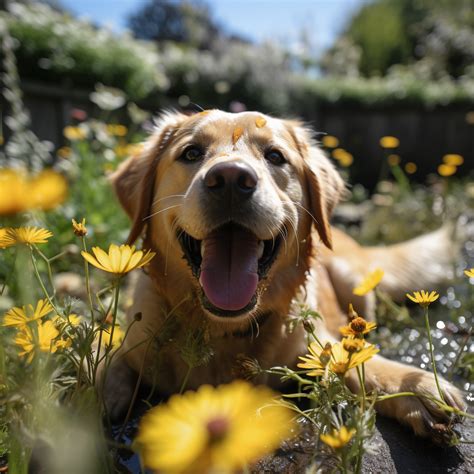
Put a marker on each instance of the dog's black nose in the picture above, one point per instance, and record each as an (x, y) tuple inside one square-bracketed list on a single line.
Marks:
[(235, 177)]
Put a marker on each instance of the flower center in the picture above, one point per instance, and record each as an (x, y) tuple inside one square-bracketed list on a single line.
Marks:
[(339, 367), (217, 428), (358, 324)]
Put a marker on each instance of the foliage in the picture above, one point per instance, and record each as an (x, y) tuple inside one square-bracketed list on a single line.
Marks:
[(52, 44), (182, 22), (438, 34)]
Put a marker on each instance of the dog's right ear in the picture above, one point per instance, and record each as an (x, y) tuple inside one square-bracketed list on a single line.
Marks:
[(134, 180)]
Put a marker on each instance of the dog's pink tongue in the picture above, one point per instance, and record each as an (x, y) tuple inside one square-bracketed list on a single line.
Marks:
[(229, 267)]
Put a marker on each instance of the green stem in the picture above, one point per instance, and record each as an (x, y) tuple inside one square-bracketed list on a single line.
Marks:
[(48, 265), (459, 354), (362, 386), (115, 310), (435, 372), (38, 277), (88, 286)]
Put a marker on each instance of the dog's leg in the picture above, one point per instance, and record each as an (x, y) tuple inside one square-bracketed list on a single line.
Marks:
[(118, 385), (420, 413)]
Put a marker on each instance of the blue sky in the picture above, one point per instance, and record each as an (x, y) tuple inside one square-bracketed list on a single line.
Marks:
[(258, 20)]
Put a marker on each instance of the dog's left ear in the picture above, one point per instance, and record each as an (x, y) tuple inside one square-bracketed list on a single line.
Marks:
[(134, 180), (325, 185)]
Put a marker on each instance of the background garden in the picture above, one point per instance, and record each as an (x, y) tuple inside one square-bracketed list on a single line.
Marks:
[(392, 102)]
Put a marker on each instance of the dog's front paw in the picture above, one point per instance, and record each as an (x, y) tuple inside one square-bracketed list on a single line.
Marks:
[(118, 385), (421, 413)]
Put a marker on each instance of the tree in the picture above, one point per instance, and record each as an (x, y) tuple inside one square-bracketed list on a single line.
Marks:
[(180, 21), (388, 32)]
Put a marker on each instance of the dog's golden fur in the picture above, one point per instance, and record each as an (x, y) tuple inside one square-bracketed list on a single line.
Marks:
[(162, 194)]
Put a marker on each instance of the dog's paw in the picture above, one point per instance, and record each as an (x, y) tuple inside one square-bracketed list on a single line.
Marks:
[(421, 413), (118, 386)]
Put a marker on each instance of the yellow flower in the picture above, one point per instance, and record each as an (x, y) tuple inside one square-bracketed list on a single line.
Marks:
[(47, 189), (3, 234), (119, 260), (330, 142), (469, 273), (74, 133), (446, 170), (117, 336), (24, 235), (353, 344), (221, 429), (117, 130), (369, 282), (20, 192), (393, 160), (453, 159), (423, 298), (79, 228), (357, 327), (341, 360), (338, 439), (21, 316), (73, 319), (64, 152), (43, 340), (411, 167), (389, 142)]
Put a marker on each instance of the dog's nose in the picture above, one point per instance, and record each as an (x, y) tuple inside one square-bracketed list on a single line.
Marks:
[(231, 176)]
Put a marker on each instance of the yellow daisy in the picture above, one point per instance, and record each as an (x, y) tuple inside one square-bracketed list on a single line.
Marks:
[(24, 235), (389, 142), (21, 316), (47, 190), (43, 340), (338, 438), (3, 234), (20, 192), (358, 326), (369, 282), (221, 429), (79, 228), (74, 133), (117, 336), (330, 141), (340, 362), (469, 273), (423, 298), (119, 260)]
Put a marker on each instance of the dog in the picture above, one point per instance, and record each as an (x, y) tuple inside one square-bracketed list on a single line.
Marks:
[(237, 209)]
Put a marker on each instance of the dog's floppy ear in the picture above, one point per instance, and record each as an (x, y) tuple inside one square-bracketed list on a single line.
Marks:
[(135, 178), (325, 185)]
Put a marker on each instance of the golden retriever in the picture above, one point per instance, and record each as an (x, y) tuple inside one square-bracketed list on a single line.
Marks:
[(237, 209)]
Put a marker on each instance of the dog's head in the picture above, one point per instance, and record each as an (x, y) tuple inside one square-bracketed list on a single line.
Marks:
[(236, 194)]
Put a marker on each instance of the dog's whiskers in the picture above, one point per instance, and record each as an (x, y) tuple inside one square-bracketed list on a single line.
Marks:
[(292, 224), (174, 225), (304, 209), (168, 197), (162, 210)]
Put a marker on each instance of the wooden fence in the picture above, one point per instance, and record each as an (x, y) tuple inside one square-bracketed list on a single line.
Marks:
[(425, 135)]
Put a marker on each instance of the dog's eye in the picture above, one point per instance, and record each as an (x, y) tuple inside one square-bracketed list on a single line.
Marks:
[(191, 153), (275, 157)]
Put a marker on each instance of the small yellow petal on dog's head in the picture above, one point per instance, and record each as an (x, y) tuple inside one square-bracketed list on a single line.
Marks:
[(260, 122), (238, 131)]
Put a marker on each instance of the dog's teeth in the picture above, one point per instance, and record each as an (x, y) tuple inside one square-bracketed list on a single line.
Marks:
[(203, 249), (261, 248)]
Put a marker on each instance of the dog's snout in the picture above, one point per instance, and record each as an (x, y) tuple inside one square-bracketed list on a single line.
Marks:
[(231, 177)]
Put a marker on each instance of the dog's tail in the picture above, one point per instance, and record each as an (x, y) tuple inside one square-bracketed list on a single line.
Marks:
[(422, 263)]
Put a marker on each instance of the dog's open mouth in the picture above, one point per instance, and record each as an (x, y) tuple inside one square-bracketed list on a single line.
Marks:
[(229, 263)]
